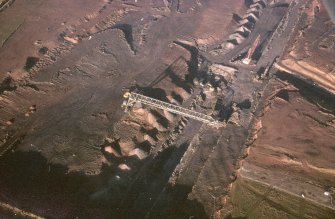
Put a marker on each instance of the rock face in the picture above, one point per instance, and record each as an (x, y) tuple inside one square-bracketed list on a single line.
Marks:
[(311, 49), (284, 154)]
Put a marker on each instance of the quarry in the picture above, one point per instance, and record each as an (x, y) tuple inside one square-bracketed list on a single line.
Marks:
[(167, 109)]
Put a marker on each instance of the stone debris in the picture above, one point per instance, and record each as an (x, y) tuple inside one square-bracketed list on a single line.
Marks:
[(139, 153), (112, 151), (124, 166)]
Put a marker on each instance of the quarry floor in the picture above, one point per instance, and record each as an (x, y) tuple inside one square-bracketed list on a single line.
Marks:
[(70, 151)]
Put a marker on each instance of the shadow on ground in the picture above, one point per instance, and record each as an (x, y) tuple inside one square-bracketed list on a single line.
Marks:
[(30, 183)]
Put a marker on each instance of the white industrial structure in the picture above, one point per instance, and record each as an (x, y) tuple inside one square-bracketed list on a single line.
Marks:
[(131, 98)]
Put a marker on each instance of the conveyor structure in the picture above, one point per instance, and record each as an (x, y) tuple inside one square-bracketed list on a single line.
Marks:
[(131, 98)]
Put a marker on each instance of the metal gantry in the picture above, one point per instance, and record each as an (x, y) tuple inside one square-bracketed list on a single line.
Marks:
[(131, 98)]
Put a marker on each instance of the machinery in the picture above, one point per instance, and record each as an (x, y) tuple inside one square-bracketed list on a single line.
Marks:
[(131, 98), (251, 51)]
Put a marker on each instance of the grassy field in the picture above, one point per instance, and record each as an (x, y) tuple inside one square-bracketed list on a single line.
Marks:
[(8, 28), (254, 200)]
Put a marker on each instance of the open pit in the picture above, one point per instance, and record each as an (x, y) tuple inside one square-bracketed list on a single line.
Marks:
[(70, 150)]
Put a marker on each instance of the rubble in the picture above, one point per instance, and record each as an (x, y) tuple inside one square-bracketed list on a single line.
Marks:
[(139, 153), (226, 71)]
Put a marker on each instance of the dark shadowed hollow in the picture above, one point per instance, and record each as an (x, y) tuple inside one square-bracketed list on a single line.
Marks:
[(30, 183)]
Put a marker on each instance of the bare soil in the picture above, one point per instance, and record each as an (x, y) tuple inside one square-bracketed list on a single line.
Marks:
[(311, 49), (68, 148), (293, 150), (70, 151)]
